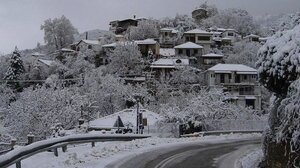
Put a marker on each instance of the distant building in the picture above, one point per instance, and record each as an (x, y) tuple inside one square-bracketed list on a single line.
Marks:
[(120, 26), (239, 80), (168, 37), (163, 67), (200, 37), (211, 59), (190, 50), (251, 38), (148, 48)]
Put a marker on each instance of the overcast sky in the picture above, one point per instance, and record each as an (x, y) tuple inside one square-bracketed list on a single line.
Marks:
[(20, 20)]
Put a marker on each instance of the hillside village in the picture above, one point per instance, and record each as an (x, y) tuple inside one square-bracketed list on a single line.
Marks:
[(188, 71)]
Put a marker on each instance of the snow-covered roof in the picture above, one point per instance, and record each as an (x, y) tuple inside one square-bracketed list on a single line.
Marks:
[(226, 38), (67, 50), (233, 68), (147, 41), (212, 55), (189, 45), (197, 31), (37, 54), (167, 52), (46, 62), (169, 63), (92, 42), (113, 45), (110, 45), (172, 30), (252, 35)]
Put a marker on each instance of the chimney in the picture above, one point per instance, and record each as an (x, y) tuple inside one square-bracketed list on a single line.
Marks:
[(134, 16), (86, 35)]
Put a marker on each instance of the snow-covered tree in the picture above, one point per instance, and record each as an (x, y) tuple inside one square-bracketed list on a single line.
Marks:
[(59, 32), (244, 53), (4, 64), (36, 110), (203, 105), (144, 30), (125, 60), (180, 22), (279, 67), (15, 69), (233, 18)]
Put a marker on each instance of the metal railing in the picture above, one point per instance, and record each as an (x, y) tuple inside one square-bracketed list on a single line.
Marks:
[(17, 155)]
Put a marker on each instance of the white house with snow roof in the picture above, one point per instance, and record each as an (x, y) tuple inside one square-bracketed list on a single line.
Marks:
[(163, 67), (84, 45), (251, 38), (211, 59), (191, 50), (200, 37), (239, 80)]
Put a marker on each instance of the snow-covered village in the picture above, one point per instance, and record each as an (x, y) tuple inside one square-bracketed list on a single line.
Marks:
[(150, 84)]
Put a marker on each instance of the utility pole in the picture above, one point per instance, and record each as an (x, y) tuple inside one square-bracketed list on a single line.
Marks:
[(137, 115)]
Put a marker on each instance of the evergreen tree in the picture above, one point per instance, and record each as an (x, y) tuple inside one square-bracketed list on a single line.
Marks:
[(15, 69)]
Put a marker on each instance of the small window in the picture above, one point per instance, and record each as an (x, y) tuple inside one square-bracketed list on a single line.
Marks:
[(180, 51), (245, 77), (90, 47), (195, 51), (166, 33), (230, 34), (203, 38)]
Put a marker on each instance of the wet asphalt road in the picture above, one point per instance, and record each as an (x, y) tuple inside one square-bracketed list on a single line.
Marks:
[(185, 156)]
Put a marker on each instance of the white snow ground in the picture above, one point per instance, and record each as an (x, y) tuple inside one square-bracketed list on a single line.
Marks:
[(84, 156)]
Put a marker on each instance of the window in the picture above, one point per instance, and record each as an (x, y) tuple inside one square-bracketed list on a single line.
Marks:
[(229, 76), (180, 51), (166, 33), (188, 53), (255, 39), (250, 103), (222, 78), (230, 34), (245, 77), (203, 38), (195, 51), (90, 47)]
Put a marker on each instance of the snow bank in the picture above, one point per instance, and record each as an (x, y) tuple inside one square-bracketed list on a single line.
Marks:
[(250, 160)]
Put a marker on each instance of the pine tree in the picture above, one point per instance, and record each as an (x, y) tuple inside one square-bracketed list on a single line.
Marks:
[(15, 69)]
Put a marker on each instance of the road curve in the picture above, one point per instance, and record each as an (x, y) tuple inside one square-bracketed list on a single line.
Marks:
[(185, 156)]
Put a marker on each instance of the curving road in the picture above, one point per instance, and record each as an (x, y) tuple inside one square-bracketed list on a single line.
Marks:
[(187, 156)]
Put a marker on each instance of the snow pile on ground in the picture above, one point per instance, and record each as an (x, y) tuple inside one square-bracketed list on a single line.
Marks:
[(84, 156), (128, 116), (251, 159)]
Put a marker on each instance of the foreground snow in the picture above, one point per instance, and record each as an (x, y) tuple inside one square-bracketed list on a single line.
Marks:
[(251, 159), (83, 156)]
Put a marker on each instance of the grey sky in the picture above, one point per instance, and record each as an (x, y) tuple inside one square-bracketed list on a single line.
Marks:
[(20, 20)]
